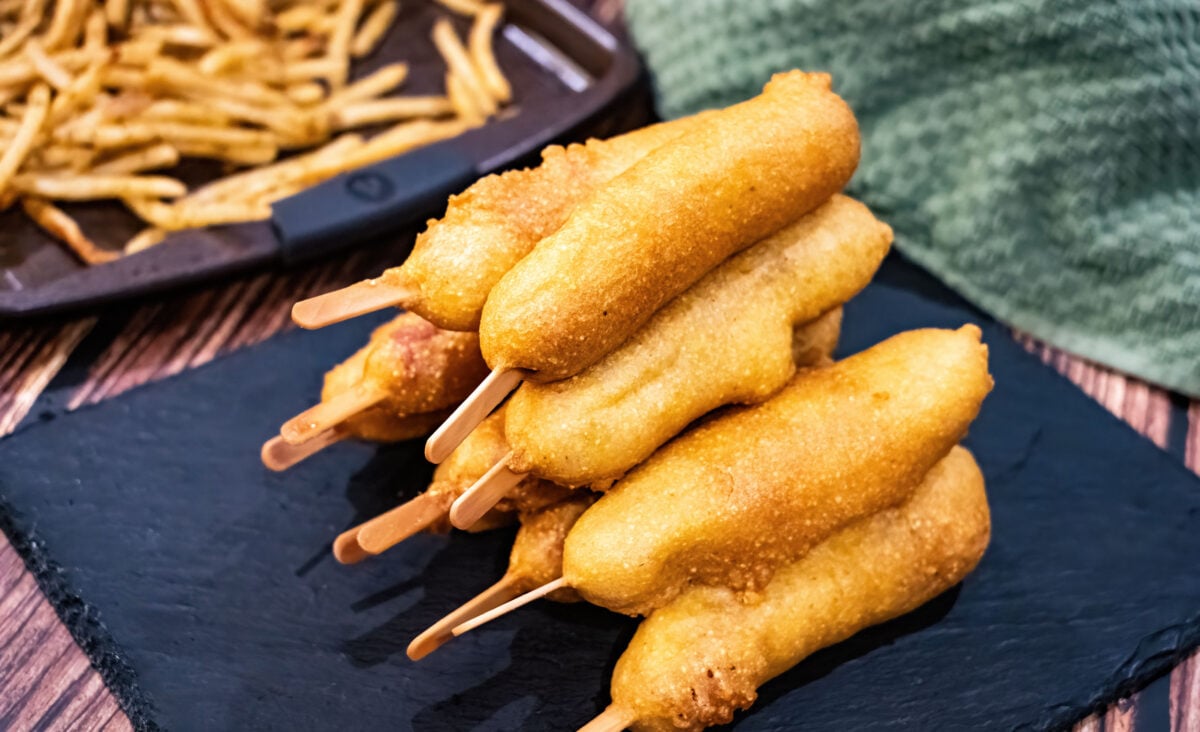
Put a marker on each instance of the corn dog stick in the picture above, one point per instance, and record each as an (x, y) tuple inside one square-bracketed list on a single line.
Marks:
[(486, 397), (812, 344), (388, 529), (279, 455), (485, 493), (528, 597), (442, 631), (612, 719), (328, 414), (536, 558), (349, 302)]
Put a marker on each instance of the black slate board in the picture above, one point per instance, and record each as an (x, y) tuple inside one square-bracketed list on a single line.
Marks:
[(210, 601)]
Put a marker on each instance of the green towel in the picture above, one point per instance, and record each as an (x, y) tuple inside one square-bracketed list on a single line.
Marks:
[(1042, 157)]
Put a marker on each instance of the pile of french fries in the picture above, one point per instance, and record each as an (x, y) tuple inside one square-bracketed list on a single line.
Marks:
[(95, 95)]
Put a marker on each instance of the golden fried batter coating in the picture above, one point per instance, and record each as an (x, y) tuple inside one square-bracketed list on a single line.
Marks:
[(493, 224), (728, 339), (423, 370), (733, 499), (813, 343), (536, 556), (482, 449), (697, 660), (736, 177)]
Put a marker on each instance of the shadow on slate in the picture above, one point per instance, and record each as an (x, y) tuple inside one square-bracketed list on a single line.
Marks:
[(201, 584)]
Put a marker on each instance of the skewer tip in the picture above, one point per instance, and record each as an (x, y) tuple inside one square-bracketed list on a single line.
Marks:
[(486, 397), (279, 455), (346, 548), (484, 494), (612, 719), (349, 302), (509, 606)]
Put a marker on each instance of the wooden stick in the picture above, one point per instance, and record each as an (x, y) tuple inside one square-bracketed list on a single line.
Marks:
[(349, 302), (328, 414), (387, 529), (612, 719), (485, 493), (509, 606), (486, 397), (440, 632), (278, 455)]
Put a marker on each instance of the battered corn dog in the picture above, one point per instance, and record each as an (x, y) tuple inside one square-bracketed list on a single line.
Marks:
[(428, 510), (697, 660), (726, 340), (641, 397), (399, 386), (536, 559), (735, 498), (736, 177), (487, 229)]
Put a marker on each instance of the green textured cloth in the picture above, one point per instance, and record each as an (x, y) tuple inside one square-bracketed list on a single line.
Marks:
[(1041, 157)]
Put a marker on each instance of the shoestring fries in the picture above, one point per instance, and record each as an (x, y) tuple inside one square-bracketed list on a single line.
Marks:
[(100, 99)]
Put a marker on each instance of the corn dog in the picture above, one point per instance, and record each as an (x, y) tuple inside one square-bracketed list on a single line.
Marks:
[(736, 177), (536, 559), (740, 495), (408, 367), (428, 510), (487, 229), (697, 660), (726, 340)]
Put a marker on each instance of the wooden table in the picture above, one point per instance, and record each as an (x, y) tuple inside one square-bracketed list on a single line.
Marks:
[(46, 680)]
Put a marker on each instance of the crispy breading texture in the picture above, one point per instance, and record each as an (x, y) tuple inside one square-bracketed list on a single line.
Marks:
[(726, 340), (490, 226), (697, 660), (482, 449), (738, 176), (420, 367), (740, 495), (536, 556)]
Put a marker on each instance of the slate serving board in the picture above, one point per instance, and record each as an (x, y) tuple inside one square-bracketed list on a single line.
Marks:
[(201, 584)]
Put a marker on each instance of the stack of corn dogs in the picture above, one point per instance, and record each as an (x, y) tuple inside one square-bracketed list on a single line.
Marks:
[(636, 338)]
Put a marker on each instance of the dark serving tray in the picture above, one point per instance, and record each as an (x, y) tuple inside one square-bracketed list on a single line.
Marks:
[(202, 586), (564, 67)]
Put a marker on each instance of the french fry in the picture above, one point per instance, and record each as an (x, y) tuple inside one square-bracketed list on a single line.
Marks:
[(372, 30), (153, 157), (455, 55), (97, 94), (462, 7), (58, 224), (22, 142), (144, 239), (375, 111), (93, 187), (382, 81), (483, 57)]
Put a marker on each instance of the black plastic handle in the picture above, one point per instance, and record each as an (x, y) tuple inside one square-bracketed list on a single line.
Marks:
[(362, 203)]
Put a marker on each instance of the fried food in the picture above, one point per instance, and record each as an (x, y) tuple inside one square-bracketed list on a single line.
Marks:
[(729, 339), (93, 94), (736, 177), (738, 496), (400, 386), (415, 366), (476, 455), (428, 511), (697, 660), (493, 224), (536, 558)]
